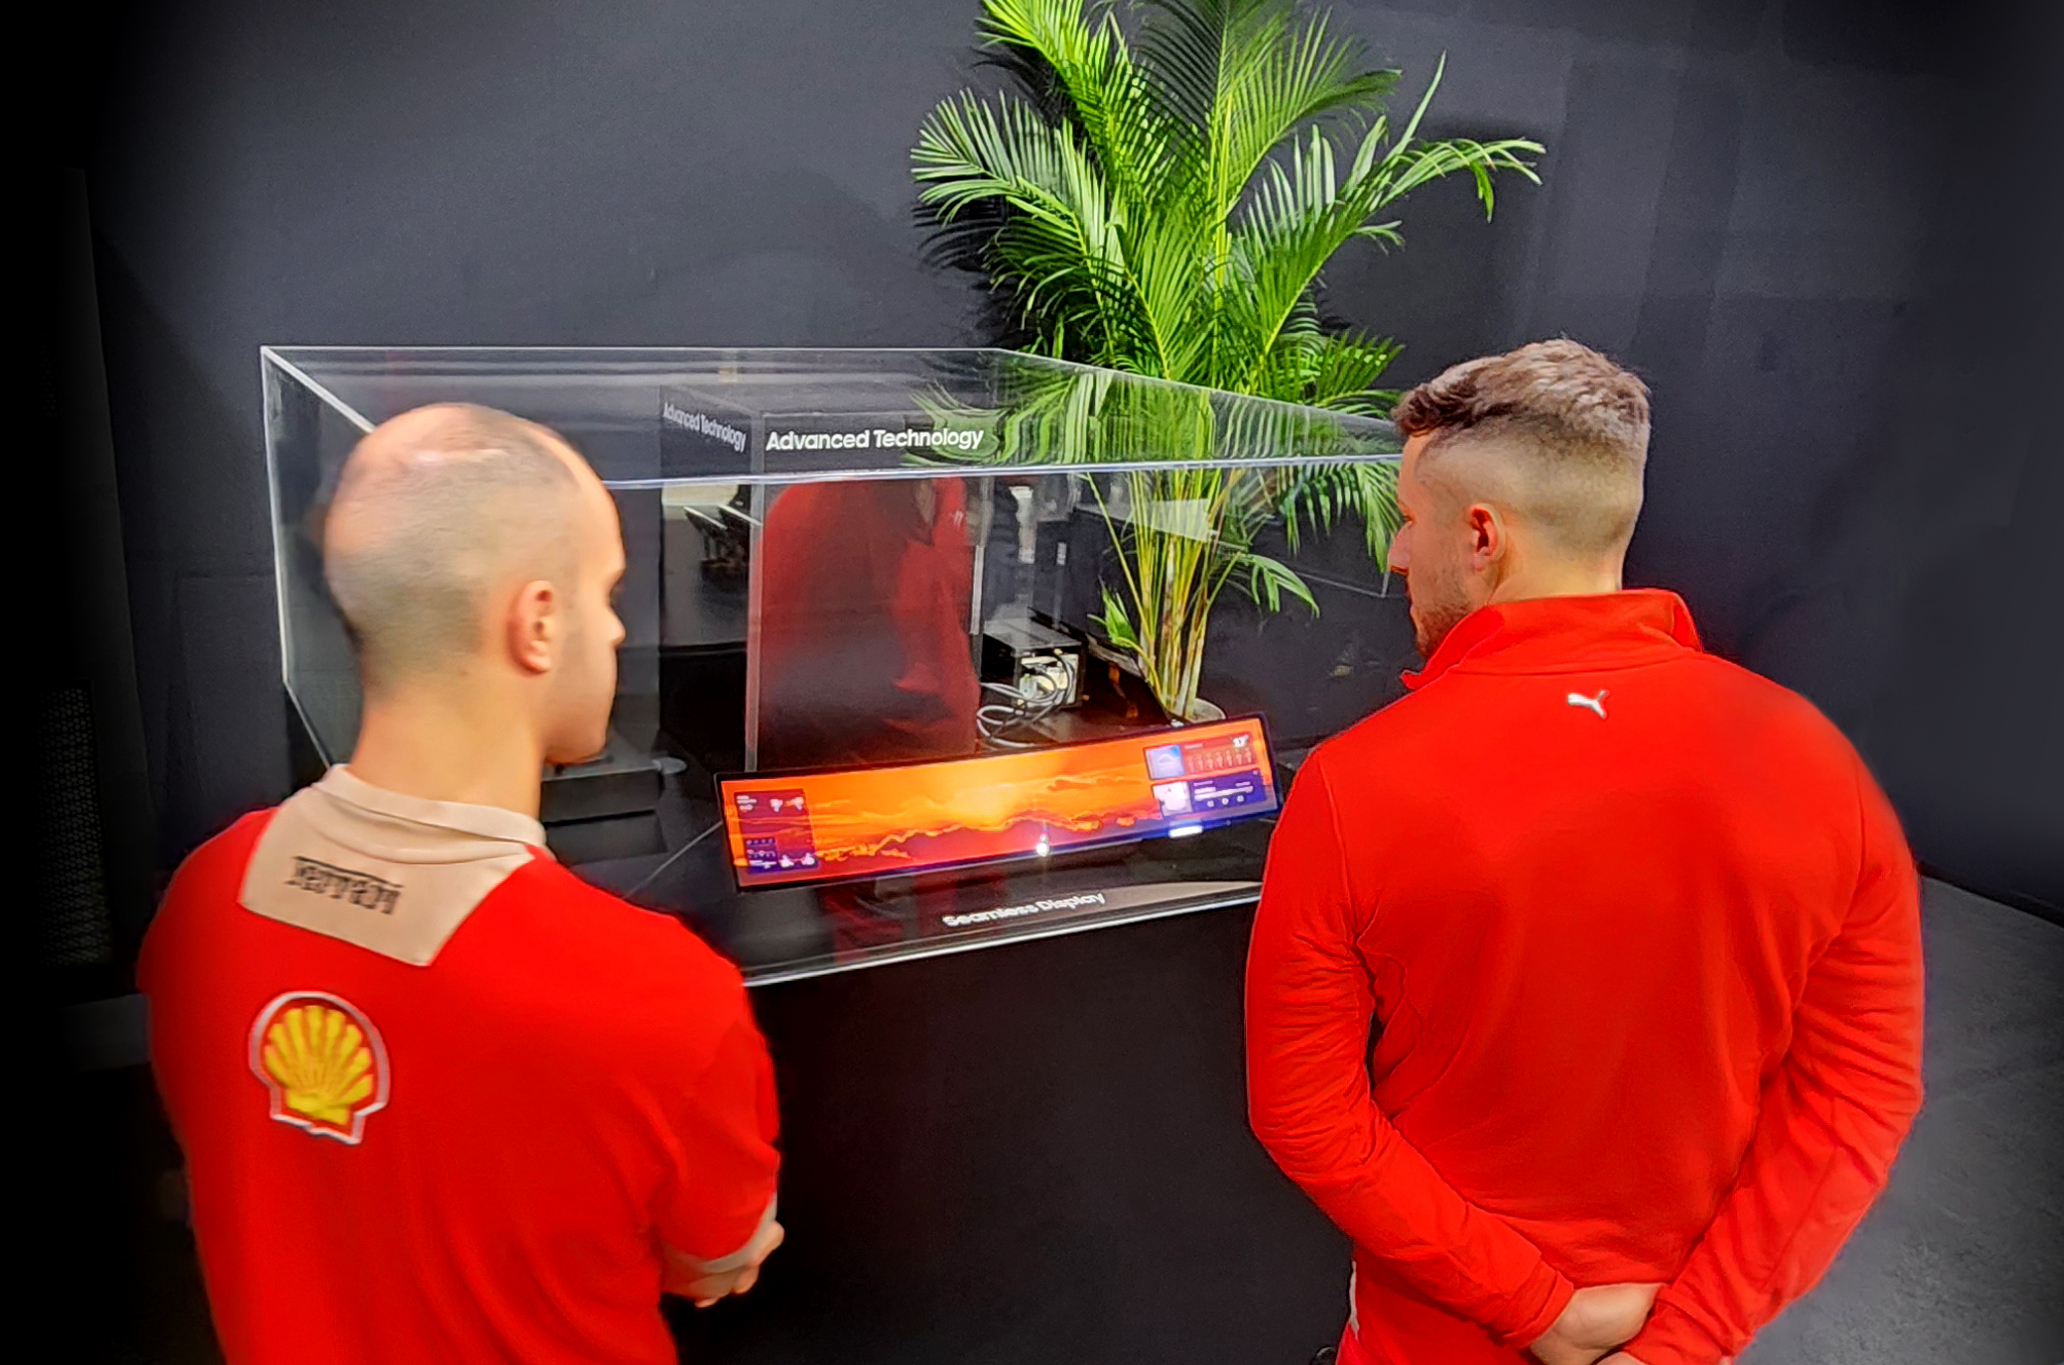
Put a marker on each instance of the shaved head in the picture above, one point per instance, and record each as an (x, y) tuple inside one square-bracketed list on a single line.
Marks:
[(1584, 505), (436, 511)]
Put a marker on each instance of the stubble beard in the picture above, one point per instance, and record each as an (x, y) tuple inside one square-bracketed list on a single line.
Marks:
[(1438, 606)]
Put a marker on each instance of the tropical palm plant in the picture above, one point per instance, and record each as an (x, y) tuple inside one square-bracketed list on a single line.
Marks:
[(1160, 197)]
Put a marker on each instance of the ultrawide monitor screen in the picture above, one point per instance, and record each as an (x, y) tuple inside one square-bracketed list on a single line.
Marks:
[(877, 822)]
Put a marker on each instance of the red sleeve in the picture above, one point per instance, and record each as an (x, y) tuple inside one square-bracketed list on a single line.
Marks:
[(725, 1163), (1309, 1010), (1833, 1117), (218, 863)]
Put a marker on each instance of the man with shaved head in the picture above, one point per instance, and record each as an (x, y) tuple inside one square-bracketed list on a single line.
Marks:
[(437, 515), (1585, 989), (440, 1100)]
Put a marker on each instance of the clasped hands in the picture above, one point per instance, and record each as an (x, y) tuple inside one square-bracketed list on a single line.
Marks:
[(690, 1279), (1597, 1321)]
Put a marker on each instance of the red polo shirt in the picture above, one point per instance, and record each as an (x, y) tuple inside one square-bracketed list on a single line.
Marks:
[(440, 1100), (1593, 959)]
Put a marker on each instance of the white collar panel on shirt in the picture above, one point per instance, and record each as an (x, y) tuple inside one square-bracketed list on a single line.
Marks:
[(489, 822), (393, 874)]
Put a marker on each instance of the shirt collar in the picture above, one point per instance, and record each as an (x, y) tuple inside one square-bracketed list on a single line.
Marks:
[(488, 822), (1565, 635)]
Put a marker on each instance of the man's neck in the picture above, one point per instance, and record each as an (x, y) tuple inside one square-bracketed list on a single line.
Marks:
[(1558, 580), (442, 747)]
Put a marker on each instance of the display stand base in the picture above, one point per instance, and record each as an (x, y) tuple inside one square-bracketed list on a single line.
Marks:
[(622, 781)]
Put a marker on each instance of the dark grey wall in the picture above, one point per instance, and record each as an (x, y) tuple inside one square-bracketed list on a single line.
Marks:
[(1751, 202), (1811, 226), (466, 172)]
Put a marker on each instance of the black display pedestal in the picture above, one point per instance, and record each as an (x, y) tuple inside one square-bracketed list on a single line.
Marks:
[(1030, 1153)]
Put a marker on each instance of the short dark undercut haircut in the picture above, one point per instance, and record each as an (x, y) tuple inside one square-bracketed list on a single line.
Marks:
[(1555, 428), (420, 531)]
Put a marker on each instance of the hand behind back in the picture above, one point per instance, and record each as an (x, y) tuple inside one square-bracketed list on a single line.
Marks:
[(687, 1278), (1597, 1320)]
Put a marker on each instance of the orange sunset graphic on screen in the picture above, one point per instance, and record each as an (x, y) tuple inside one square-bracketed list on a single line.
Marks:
[(882, 821)]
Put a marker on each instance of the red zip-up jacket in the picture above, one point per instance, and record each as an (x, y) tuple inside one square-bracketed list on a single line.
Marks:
[(1593, 959)]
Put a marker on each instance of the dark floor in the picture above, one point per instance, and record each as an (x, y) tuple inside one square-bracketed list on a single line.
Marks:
[(1962, 1261)]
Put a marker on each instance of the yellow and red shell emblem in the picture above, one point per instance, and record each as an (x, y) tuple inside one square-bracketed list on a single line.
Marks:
[(322, 1061)]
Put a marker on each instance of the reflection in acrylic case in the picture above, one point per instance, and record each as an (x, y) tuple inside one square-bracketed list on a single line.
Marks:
[(816, 541)]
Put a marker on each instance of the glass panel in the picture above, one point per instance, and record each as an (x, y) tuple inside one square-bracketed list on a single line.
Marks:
[(307, 437), (856, 558)]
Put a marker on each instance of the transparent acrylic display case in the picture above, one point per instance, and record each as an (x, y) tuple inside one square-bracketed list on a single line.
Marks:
[(845, 560)]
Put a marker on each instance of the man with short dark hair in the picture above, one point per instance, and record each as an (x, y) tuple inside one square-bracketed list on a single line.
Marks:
[(441, 1101), (1585, 990)]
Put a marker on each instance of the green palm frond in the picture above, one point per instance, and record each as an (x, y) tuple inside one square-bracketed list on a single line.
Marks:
[(1060, 247), (1363, 491), (1247, 74), (1161, 195), (1339, 370), (1108, 94)]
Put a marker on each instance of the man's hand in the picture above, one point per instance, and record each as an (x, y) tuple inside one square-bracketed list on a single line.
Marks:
[(1596, 1320), (690, 1280)]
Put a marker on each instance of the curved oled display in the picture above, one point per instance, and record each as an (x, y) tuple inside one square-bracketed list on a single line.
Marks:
[(884, 821)]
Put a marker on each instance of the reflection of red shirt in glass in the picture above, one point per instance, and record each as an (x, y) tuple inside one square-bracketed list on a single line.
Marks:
[(863, 641)]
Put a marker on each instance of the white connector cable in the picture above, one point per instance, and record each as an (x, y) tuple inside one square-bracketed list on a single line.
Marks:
[(1039, 691)]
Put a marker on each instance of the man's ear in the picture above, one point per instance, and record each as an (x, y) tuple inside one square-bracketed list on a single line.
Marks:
[(534, 623), (1487, 538)]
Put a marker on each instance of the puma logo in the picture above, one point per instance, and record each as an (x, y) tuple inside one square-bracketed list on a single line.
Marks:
[(1596, 703)]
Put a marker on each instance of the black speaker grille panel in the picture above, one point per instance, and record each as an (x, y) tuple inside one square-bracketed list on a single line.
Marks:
[(73, 927)]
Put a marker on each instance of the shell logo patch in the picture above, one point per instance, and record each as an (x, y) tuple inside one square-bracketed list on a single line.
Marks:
[(323, 1063)]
